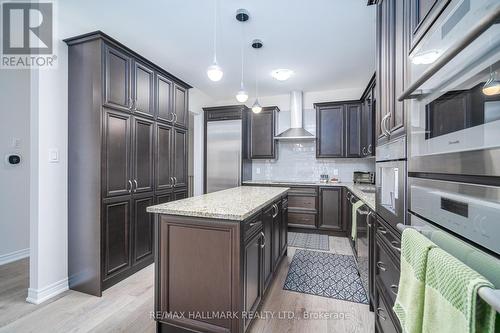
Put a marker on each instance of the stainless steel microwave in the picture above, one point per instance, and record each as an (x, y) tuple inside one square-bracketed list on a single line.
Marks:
[(454, 120)]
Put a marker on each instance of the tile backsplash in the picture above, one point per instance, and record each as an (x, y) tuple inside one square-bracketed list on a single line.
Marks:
[(297, 162)]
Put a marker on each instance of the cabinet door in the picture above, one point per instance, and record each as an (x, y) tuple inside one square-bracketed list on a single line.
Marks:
[(163, 170), (181, 105), (267, 221), (164, 99), (383, 65), (117, 153), (143, 89), (372, 223), (252, 275), (143, 164), (262, 144), (143, 223), (353, 130), (116, 236), (276, 234), (117, 79), (367, 126), (182, 194), (330, 216), (330, 131), (180, 157), (163, 197), (284, 228)]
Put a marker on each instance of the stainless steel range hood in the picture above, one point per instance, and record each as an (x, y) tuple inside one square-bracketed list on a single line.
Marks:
[(296, 131)]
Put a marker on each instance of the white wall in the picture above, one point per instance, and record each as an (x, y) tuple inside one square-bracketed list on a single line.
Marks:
[(197, 101), (14, 180)]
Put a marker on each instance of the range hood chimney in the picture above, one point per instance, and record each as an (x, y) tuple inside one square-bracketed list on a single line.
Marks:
[(296, 130)]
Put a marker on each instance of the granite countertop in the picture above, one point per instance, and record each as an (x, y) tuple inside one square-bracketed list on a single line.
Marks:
[(356, 189), (236, 203)]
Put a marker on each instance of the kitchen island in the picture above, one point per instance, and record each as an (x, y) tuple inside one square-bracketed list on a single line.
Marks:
[(215, 256)]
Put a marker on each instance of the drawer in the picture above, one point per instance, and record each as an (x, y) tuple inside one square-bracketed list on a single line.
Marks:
[(391, 238), (384, 319), (252, 225), (303, 190), (303, 202), (301, 219), (386, 271)]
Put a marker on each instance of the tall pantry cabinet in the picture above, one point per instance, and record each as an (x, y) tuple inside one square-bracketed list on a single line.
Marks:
[(127, 150)]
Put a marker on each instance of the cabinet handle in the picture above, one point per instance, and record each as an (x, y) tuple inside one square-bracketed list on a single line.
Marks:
[(378, 313), (175, 181), (175, 117), (130, 183), (387, 117), (135, 104), (364, 151), (130, 103), (381, 230), (383, 125), (381, 266), (370, 148), (264, 240), (393, 245), (171, 181), (394, 289), (275, 211), (136, 185)]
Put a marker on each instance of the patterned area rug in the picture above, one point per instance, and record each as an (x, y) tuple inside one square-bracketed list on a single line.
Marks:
[(308, 241), (325, 274)]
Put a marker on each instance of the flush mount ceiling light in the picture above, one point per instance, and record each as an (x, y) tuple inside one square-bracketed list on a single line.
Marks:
[(214, 71), (492, 86), (242, 16), (282, 74), (425, 58), (256, 107)]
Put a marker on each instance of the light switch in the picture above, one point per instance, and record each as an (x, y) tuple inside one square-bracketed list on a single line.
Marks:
[(335, 172), (257, 171), (54, 155)]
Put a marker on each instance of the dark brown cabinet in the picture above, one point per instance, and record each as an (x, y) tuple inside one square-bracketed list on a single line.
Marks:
[(330, 208), (122, 157), (267, 261), (180, 147), (116, 240), (142, 224), (262, 131), (180, 106), (117, 79), (164, 88), (392, 54), (252, 274), (338, 126), (277, 225), (143, 89), (284, 227), (368, 110)]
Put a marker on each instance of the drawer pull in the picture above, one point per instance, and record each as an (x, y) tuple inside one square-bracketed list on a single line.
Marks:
[(381, 230), (379, 310), (394, 289), (394, 246), (381, 266), (264, 238)]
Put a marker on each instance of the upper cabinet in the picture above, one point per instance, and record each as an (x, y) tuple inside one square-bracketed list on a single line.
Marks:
[(143, 89), (338, 127), (262, 131), (180, 106), (392, 52), (117, 79), (368, 109)]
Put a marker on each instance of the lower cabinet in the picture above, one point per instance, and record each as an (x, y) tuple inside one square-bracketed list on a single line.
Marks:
[(127, 235), (330, 208), (252, 273), (267, 260), (284, 227), (277, 223)]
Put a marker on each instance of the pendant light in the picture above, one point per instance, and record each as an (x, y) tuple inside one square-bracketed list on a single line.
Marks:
[(242, 16), (492, 86), (256, 107), (214, 71)]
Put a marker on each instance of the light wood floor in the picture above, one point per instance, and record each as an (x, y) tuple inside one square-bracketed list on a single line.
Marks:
[(126, 306)]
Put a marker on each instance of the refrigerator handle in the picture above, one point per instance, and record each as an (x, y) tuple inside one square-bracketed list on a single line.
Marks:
[(238, 156)]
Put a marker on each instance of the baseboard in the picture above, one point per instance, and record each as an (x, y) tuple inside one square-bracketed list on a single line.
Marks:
[(14, 256), (37, 296)]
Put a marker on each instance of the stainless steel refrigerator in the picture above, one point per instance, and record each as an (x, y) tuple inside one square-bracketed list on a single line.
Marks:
[(224, 154)]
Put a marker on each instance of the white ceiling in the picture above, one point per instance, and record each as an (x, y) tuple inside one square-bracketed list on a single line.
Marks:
[(330, 44)]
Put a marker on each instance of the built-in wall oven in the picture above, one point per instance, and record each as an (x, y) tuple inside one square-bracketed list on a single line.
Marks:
[(454, 120), (390, 180)]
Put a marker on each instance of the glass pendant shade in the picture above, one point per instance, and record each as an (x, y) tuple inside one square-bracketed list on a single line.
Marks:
[(492, 86), (242, 96), (256, 108), (215, 73)]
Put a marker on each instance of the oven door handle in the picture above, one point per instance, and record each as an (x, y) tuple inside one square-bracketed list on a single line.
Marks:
[(455, 49)]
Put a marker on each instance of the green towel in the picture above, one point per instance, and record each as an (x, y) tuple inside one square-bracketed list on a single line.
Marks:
[(354, 220), (451, 302), (409, 305)]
